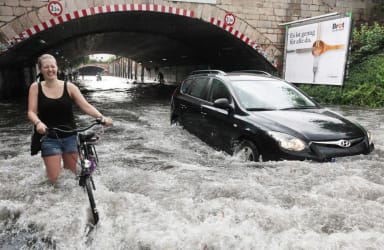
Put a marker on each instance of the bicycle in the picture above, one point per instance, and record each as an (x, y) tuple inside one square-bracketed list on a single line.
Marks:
[(88, 159)]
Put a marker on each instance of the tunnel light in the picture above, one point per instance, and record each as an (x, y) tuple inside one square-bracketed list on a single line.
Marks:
[(164, 59)]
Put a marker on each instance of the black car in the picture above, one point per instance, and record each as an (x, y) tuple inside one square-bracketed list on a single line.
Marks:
[(260, 117)]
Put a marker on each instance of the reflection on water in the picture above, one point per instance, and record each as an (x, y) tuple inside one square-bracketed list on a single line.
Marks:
[(159, 187)]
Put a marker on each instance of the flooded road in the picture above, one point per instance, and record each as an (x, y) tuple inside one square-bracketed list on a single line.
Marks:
[(159, 187)]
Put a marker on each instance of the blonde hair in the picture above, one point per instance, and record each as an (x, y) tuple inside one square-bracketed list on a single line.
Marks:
[(45, 56)]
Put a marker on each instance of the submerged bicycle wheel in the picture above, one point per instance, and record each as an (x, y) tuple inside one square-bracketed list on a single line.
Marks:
[(89, 187)]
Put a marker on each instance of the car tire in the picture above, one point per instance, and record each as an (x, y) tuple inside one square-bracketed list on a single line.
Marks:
[(175, 120), (246, 151)]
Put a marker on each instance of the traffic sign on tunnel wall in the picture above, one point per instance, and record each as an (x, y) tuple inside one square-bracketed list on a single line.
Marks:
[(229, 19), (55, 8)]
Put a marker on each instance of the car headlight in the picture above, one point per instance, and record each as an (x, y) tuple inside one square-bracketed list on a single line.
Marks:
[(287, 142), (370, 137)]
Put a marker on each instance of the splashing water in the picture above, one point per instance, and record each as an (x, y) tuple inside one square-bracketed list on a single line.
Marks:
[(159, 187)]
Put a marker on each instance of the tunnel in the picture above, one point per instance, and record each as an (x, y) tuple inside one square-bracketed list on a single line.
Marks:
[(90, 70), (155, 39)]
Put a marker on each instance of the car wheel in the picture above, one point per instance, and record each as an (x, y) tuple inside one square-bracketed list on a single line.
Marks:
[(247, 151), (175, 120)]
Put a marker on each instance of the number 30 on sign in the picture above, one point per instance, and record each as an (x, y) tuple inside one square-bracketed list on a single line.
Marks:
[(55, 8)]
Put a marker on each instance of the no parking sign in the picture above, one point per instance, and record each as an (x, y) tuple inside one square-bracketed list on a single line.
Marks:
[(55, 8)]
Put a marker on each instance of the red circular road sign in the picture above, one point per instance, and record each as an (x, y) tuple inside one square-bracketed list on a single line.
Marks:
[(229, 19), (55, 8)]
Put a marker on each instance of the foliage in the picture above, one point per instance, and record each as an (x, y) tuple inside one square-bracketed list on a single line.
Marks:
[(367, 40), (364, 85), (111, 59), (75, 63), (80, 60)]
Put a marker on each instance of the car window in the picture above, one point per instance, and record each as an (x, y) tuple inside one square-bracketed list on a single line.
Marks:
[(198, 88), (219, 90), (185, 85)]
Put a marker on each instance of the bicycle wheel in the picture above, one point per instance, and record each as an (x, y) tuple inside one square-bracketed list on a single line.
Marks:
[(89, 187)]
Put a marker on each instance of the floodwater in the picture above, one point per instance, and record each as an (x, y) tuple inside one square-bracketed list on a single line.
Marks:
[(159, 187)]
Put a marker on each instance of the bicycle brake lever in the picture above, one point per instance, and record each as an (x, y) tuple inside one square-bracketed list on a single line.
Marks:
[(101, 120)]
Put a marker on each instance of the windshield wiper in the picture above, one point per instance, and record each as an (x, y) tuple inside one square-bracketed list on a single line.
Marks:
[(260, 109), (299, 107)]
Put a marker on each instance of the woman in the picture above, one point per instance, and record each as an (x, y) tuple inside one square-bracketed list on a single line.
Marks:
[(50, 105)]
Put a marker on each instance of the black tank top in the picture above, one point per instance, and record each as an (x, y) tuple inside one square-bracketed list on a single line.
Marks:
[(56, 112)]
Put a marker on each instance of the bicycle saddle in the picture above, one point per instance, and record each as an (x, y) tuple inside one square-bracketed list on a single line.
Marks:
[(88, 137)]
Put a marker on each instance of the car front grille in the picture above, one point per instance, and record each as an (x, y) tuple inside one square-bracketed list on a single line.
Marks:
[(326, 150)]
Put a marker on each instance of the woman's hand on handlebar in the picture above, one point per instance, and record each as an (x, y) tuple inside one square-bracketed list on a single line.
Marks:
[(105, 121)]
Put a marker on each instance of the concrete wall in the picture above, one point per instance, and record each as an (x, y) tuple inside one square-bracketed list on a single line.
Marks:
[(265, 16)]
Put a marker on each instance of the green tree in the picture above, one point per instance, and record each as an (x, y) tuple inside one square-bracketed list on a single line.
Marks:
[(367, 40)]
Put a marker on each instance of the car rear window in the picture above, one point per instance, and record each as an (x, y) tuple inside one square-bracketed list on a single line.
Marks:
[(197, 87), (185, 85)]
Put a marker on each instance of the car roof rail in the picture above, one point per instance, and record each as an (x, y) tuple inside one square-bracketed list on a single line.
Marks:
[(255, 71), (207, 71)]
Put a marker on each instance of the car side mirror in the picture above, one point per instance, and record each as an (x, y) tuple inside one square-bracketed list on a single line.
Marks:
[(222, 103)]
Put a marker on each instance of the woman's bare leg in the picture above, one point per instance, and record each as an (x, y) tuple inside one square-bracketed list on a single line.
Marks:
[(70, 161), (53, 166)]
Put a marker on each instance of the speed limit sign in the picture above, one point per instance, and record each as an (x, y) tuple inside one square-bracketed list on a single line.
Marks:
[(55, 8), (229, 19)]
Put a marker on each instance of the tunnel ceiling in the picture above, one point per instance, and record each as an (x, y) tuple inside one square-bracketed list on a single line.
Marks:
[(146, 37)]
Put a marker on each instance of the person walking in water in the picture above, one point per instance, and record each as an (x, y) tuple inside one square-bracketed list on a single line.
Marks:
[(160, 77), (50, 105)]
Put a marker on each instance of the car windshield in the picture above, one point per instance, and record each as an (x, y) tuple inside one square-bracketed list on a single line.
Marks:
[(270, 95)]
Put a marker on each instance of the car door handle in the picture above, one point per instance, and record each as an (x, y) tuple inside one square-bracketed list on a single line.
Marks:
[(182, 106), (203, 113)]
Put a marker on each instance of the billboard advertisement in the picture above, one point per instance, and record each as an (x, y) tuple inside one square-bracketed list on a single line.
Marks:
[(316, 53)]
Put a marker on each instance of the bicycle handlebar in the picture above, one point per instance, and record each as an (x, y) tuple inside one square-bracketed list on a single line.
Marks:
[(98, 121)]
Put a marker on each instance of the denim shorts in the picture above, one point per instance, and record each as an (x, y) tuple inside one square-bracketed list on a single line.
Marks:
[(58, 146)]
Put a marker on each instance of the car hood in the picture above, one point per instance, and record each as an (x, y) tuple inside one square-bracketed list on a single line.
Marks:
[(313, 124)]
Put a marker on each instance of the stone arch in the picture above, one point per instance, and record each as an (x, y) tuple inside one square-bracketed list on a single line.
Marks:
[(208, 13), (93, 67)]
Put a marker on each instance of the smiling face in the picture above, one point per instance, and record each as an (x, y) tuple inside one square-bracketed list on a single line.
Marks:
[(48, 67)]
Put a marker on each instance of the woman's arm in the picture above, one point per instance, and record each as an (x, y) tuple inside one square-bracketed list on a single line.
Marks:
[(32, 108), (84, 105)]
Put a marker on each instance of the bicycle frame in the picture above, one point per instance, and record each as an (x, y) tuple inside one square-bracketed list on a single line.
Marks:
[(87, 153), (88, 161)]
